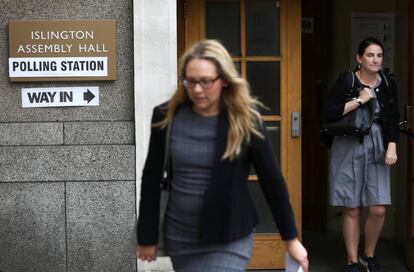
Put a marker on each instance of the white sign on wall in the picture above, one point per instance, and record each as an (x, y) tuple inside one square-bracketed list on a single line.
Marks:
[(58, 67), (60, 97), (376, 25)]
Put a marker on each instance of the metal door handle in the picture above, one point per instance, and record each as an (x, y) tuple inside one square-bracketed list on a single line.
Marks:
[(295, 124)]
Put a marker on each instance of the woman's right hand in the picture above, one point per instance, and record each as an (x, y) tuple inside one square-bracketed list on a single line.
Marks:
[(365, 95), (298, 253), (146, 253)]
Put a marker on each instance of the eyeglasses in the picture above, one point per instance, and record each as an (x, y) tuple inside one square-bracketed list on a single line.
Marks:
[(204, 83)]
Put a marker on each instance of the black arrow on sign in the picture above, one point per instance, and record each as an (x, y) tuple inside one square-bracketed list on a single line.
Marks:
[(88, 96)]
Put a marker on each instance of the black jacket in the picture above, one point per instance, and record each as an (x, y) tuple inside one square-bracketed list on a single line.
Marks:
[(387, 98), (228, 212)]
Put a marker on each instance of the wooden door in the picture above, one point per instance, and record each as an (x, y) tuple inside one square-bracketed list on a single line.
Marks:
[(263, 37)]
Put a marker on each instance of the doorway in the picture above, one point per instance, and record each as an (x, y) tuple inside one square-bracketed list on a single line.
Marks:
[(326, 43)]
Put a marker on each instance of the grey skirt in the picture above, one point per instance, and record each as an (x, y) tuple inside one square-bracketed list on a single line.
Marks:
[(218, 257), (358, 175)]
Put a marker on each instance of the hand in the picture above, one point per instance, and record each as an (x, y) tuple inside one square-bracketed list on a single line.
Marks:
[(391, 154), (298, 253), (365, 95), (146, 253)]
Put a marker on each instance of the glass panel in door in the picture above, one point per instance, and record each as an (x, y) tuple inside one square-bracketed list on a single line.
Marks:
[(264, 79), (262, 28), (223, 23)]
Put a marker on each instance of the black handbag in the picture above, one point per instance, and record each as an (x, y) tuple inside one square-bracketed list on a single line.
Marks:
[(356, 123), (165, 195)]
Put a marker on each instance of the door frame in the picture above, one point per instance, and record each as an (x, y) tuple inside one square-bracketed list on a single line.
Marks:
[(410, 157), (268, 250)]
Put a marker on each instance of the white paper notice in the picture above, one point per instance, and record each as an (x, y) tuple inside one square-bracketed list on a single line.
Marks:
[(291, 265), (377, 25)]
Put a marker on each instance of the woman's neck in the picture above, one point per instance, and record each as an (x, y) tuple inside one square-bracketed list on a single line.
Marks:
[(367, 78)]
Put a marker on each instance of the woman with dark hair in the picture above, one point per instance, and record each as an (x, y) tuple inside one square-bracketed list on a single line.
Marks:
[(359, 170), (214, 133)]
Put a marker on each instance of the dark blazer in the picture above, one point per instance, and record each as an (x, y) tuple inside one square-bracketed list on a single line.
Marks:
[(387, 98), (228, 212)]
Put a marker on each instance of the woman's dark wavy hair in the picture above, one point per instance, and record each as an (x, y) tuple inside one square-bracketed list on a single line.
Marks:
[(367, 42)]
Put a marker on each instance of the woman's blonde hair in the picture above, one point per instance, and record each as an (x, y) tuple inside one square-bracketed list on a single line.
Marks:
[(239, 107)]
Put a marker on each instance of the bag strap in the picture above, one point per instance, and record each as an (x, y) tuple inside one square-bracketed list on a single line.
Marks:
[(384, 76), (350, 79), (165, 166)]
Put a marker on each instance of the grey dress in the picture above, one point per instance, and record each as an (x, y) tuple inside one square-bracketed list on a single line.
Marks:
[(358, 175), (192, 145)]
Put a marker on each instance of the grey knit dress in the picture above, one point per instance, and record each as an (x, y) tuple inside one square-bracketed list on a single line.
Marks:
[(192, 145), (357, 172)]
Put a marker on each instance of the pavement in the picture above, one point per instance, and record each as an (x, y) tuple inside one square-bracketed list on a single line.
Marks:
[(327, 253)]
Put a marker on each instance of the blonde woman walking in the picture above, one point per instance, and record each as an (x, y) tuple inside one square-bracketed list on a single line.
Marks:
[(215, 134)]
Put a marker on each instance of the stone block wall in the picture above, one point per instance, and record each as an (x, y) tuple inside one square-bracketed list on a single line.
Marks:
[(67, 174)]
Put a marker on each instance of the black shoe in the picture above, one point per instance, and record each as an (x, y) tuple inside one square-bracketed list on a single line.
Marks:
[(370, 264), (351, 267)]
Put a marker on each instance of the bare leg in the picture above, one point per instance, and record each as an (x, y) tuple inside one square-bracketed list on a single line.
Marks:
[(351, 233), (373, 228)]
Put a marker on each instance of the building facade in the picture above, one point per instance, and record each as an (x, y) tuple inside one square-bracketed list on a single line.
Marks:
[(70, 176)]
